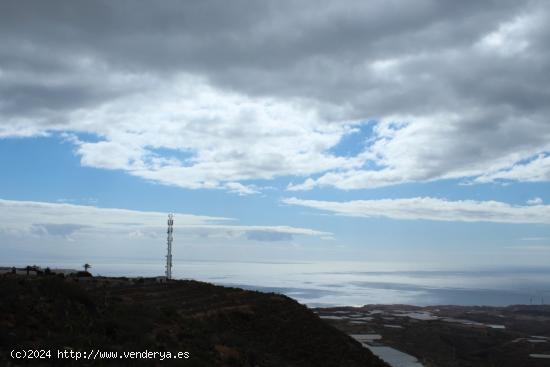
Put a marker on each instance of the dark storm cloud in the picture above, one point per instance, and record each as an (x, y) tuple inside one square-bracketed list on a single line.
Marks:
[(305, 49)]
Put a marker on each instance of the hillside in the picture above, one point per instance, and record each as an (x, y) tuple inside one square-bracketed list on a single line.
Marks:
[(218, 326)]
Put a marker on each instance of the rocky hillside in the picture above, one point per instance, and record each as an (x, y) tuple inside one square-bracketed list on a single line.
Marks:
[(218, 326)]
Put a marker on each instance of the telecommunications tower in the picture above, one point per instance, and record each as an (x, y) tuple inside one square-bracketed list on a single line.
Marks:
[(169, 246)]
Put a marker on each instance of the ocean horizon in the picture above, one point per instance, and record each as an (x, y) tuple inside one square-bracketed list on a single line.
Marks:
[(344, 283)]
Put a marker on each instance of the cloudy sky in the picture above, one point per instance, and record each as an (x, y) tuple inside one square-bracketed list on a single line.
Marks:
[(380, 130)]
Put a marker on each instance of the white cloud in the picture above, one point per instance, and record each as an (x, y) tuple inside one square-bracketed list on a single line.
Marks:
[(259, 92), (419, 149), (537, 169), (535, 201), (39, 219), (209, 138), (510, 38), (426, 208), (241, 189)]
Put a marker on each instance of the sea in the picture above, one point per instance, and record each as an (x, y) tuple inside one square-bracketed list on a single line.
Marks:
[(345, 283)]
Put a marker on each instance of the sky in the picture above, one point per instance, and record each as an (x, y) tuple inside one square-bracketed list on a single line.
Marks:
[(385, 131)]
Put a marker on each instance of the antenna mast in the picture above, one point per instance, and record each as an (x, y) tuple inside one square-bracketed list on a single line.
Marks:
[(169, 245)]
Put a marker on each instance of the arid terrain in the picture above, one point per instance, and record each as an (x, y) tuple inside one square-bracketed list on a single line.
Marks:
[(449, 336)]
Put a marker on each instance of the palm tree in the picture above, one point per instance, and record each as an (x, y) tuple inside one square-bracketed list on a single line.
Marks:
[(86, 267)]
